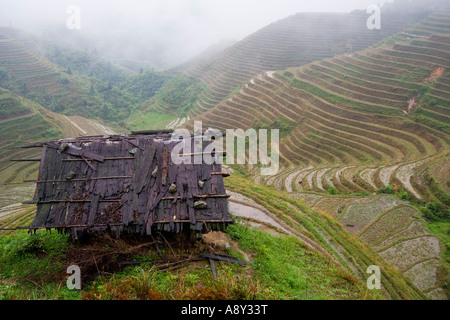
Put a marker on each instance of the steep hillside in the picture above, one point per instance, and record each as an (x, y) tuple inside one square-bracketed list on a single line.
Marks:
[(22, 122), (69, 81), (294, 41), (366, 123), (396, 232), (311, 258), (313, 254), (358, 121), (87, 63), (324, 234), (364, 179), (26, 73)]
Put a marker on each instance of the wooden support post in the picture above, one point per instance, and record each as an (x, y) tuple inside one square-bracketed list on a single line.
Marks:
[(25, 160), (213, 268), (150, 132)]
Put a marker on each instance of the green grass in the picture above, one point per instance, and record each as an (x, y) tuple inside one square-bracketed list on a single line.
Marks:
[(326, 232), (190, 283), (149, 120), (294, 271), (31, 267), (442, 231), (178, 96)]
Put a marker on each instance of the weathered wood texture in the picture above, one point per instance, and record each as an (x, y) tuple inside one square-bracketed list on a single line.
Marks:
[(141, 191)]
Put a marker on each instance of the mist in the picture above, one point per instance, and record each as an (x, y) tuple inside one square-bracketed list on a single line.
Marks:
[(163, 32)]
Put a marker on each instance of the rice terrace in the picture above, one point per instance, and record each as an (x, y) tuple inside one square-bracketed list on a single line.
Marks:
[(287, 165)]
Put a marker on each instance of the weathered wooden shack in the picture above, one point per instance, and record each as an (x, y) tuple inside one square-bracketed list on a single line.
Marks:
[(126, 184)]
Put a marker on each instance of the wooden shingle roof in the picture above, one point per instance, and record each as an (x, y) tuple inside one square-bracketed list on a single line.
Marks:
[(126, 183)]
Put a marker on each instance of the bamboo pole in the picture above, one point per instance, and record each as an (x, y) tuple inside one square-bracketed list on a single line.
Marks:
[(78, 180), (106, 159), (224, 174), (151, 132), (223, 153), (69, 201), (205, 196)]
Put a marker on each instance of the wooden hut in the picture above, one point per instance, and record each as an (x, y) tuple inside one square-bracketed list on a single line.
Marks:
[(126, 184)]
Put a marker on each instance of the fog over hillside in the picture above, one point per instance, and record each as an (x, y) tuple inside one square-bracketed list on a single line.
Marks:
[(164, 33)]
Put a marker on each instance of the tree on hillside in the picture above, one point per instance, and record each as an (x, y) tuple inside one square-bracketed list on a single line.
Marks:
[(24, 90), (92, 90)]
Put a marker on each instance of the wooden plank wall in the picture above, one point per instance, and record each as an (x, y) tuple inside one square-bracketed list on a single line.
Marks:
[(126, 183)]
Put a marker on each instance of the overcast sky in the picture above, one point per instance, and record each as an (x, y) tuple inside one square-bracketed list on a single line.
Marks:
[(195, 24)]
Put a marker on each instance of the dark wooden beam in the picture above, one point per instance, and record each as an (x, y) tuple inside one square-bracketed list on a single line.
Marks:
[(205, 196), (106, 159), (69, 201), (150, 132), (78, 180), (33, 145), (223, 174)]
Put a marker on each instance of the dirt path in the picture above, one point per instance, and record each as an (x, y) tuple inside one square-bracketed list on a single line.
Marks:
[(76, 126), (32, 113), (240, 209)]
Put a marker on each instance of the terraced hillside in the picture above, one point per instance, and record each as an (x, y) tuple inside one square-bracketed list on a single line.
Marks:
[(65, 80), (358, 121), (26, 73), (364, 119), (23, 122), (396, 232), (294, 41), (321, 232)]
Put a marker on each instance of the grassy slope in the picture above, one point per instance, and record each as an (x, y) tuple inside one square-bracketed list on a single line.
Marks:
[(175, 98), (72, 82), (33, 266), (277, 273), (327, 232), (24, 121), (281, 267)]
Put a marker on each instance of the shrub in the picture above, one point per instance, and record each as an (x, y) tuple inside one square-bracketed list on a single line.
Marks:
[(332, 190), (435, 211), (52, 133), (288, 74), (404, 195), (63, 81), (387, 190)]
